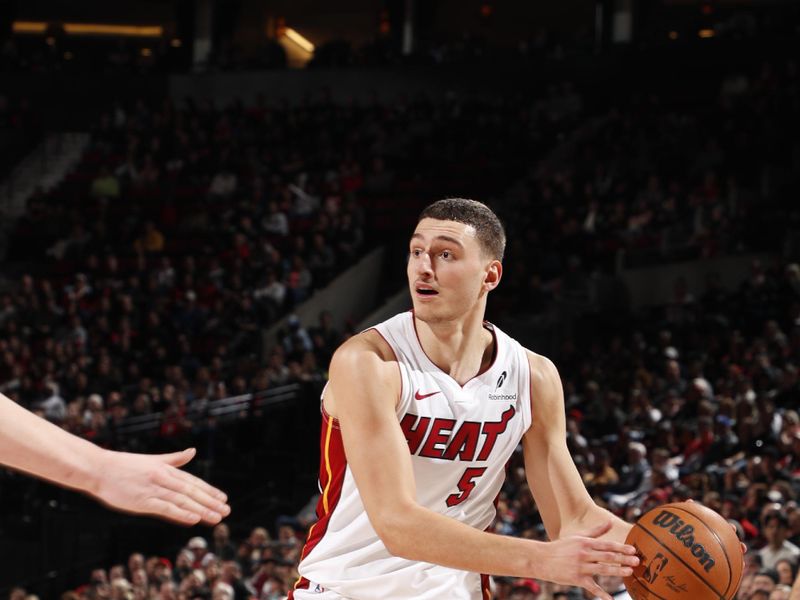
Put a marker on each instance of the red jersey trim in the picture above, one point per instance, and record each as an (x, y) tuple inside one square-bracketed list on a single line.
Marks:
[(333, 465)]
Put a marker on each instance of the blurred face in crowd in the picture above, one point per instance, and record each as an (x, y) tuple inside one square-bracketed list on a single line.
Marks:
[(258, 537), (161, 572), (184, 560), (212, 570), (135, 562), (231, 571), (286, 534), (752, 563), (99, 576), (221, 534), (774, 532), (139, 578), (784, 569), (167, 591), (763, 582), (781, 592)]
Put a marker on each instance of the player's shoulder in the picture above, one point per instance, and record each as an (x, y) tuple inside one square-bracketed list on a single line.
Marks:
[(542, 368), (367, 349)]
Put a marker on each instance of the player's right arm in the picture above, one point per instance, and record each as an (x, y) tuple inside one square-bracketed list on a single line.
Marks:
[(362, 394), (137, 483)]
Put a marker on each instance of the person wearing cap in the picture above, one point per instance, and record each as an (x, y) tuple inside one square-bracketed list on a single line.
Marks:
[(135, 483), (198, 547)]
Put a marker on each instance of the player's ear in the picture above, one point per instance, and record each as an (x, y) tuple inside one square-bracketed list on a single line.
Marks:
[(494, 271)]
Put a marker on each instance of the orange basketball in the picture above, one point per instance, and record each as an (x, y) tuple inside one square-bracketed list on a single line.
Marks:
[(687, 552)]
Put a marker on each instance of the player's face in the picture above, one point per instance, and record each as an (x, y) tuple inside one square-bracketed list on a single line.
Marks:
[(447, 271)]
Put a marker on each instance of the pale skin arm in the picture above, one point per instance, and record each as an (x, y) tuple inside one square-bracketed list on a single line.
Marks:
[(362, 392), (135, 483), (564, 504), (795, 593)]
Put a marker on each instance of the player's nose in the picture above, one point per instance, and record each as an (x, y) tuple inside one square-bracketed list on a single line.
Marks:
[(423, 266)]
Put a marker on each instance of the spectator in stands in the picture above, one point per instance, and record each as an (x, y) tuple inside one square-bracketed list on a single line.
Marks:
[(787, 571), (222, 547), (764, 581), (775, 530), (635, 478), (199, 548)]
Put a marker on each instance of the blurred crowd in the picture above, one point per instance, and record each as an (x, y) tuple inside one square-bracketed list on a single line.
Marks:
[(162, 258), (150, 274), (260, 566), (187, 230), (696, 399), (648, 182)]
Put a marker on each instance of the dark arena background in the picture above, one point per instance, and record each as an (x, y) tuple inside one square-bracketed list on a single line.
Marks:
[(201, 199)]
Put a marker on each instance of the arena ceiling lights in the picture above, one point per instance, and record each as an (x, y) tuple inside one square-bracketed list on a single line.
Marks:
[(90, 29)]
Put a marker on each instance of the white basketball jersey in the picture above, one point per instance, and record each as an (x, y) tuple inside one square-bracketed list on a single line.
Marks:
[(460, 439)]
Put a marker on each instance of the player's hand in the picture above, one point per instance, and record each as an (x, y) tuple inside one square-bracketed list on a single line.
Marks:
[(576, 560), (153, 484)]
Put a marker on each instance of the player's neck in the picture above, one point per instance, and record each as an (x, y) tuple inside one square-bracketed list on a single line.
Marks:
[(462, 349)]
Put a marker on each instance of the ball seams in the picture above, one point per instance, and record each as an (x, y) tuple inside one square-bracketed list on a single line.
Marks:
[(680, 559), (719, 541)]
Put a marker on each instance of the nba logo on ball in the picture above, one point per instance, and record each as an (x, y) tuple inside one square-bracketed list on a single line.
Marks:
[(687, 551), (654, 567)]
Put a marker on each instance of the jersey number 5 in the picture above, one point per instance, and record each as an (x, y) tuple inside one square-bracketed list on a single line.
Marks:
[(466, 484)]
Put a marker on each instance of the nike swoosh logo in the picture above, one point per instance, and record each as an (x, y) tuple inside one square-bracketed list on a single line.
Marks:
[(419, 396)]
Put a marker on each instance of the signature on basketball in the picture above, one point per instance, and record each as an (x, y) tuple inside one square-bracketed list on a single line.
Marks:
[(674, 586), (683, 533)]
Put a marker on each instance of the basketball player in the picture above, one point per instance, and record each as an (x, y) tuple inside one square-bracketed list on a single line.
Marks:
[(135, 483), (420, 416)]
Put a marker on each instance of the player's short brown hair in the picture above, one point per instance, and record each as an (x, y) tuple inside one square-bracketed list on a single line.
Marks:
[(490, 232)]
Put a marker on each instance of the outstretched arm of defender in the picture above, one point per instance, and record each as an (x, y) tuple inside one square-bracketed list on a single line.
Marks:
[(362, 393), (136, 483)]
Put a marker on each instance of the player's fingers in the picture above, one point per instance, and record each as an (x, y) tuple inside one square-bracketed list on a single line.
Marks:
[(178, 459), (185, 502), (744, 547), (192, 495), (614, 558), (595, 590), (201, 491), (168, 510), (609, 570), (609, 546)]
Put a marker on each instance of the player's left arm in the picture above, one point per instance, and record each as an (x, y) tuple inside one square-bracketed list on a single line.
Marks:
[(564, 504)]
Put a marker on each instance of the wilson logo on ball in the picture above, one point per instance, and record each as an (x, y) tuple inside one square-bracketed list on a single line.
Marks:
[(683, 533)]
